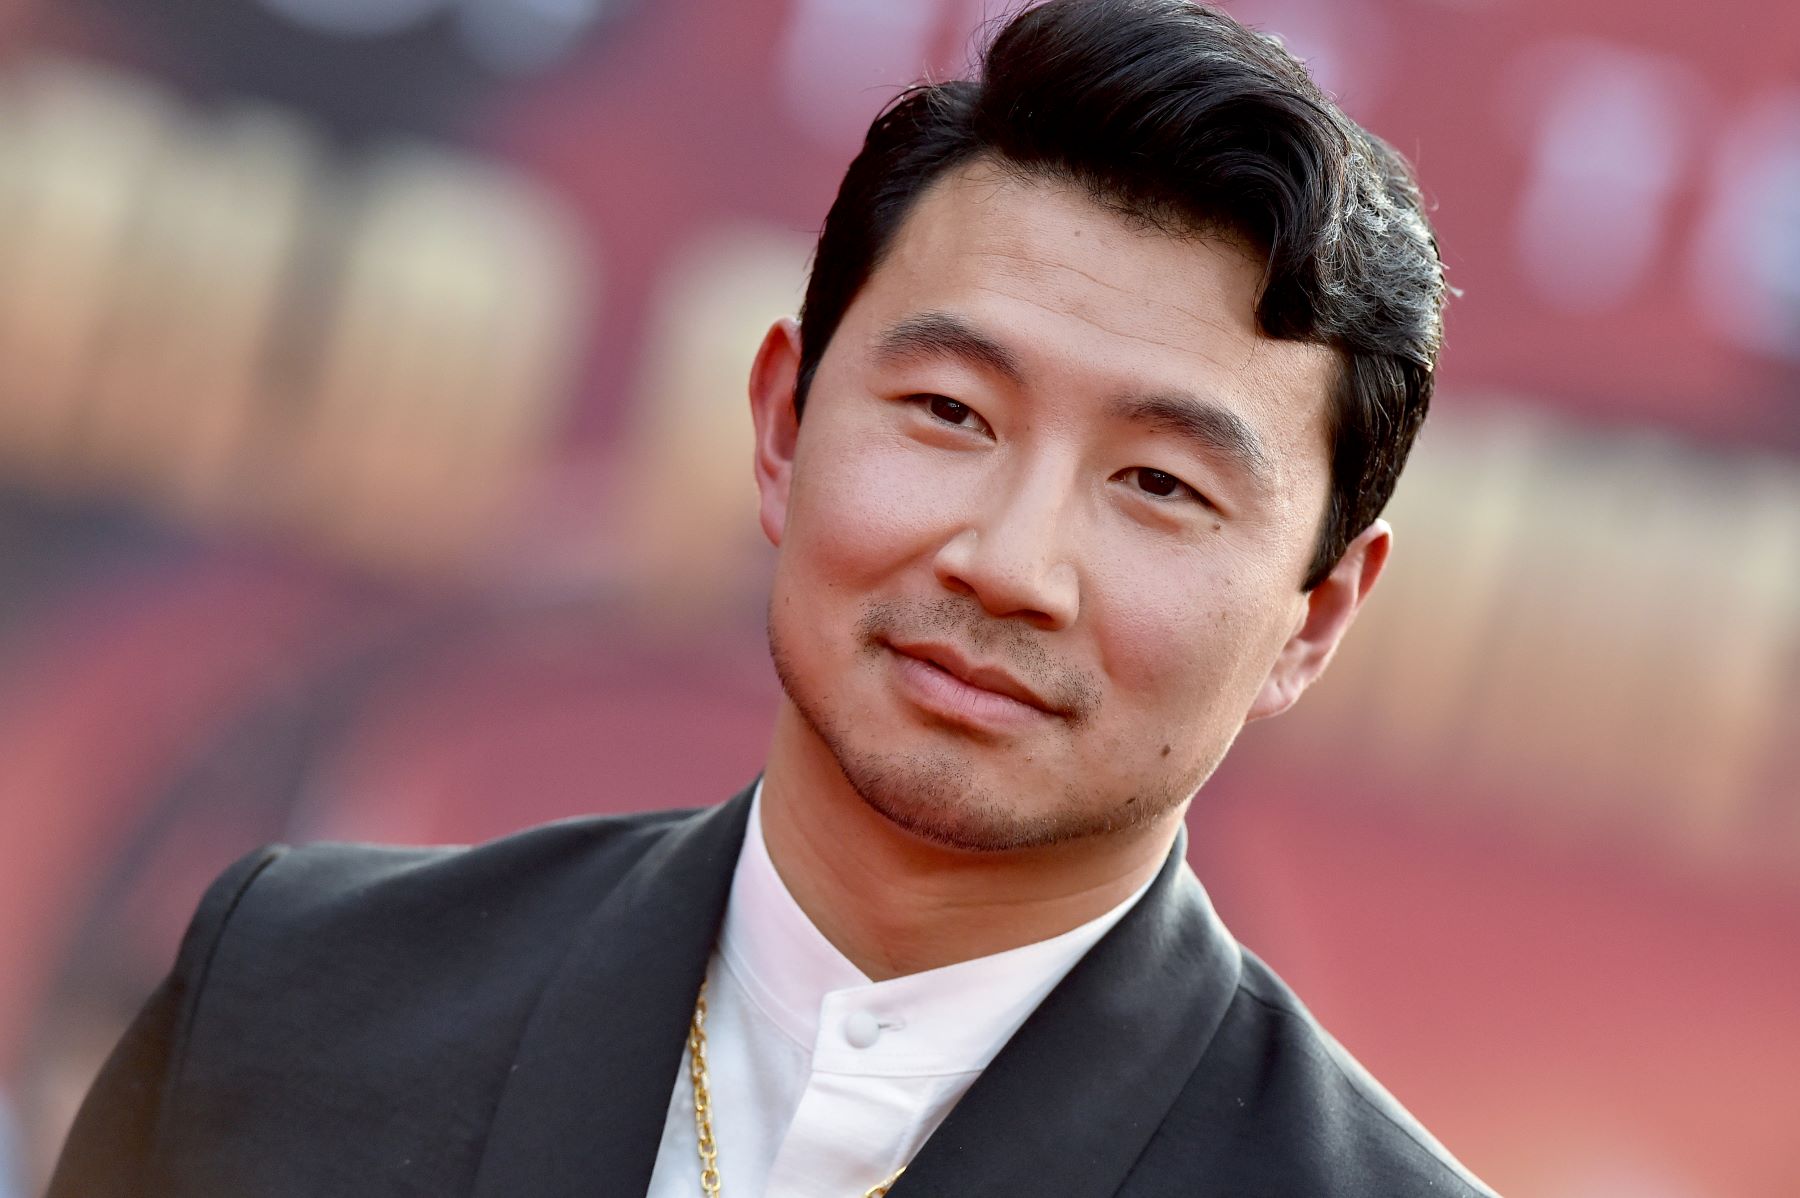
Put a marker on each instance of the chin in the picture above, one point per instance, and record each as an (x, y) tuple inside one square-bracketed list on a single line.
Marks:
[(943, 801)]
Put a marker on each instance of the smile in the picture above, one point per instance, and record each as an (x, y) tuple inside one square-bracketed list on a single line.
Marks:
[(940, 693)]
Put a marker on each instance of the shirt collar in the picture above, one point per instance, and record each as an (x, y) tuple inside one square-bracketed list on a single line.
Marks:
[(948, 1020)]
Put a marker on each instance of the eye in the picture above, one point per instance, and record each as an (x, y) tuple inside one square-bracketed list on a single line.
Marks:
[(1161, 485), (949, 411)]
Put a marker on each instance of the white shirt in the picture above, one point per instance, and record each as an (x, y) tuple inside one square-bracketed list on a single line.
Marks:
[(824, 1083)]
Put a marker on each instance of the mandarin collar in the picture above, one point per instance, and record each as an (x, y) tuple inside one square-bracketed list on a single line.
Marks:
[(953, 1019)]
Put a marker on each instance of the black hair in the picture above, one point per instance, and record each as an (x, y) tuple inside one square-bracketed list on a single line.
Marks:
[(1172, 113)]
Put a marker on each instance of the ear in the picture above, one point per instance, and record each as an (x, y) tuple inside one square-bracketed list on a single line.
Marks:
[(772, 379), (1329, 610)]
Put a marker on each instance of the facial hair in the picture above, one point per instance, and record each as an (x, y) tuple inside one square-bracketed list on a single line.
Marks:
[(937, 795)]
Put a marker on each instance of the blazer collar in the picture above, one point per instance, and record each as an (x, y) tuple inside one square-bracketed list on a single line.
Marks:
[(582, 1111), (1066, 1107), (1073, 1099)]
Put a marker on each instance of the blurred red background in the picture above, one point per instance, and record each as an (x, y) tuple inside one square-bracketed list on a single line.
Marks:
[(374, 464)]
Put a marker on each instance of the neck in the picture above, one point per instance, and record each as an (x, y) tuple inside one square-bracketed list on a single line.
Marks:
[(896, 904)]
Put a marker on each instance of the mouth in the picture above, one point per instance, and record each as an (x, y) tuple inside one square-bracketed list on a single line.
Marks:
[(946, 685)]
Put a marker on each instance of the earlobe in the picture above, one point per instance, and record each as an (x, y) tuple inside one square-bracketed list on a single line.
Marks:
[(772, 379), (1330, 609)]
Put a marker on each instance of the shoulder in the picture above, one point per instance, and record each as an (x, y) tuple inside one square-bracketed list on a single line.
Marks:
[(392, 969), (539, 866), (1297, 1085), (321, 988), (296, 938), (389, 904), (1276, 1106)]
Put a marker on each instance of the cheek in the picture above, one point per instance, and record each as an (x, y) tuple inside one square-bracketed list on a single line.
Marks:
[(864, 503), (1184, 644)]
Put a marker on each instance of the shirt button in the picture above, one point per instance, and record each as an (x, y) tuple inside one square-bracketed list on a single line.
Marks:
[(861, 1029)]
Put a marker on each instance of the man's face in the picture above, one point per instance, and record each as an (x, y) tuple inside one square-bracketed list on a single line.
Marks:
[(1043, 526)]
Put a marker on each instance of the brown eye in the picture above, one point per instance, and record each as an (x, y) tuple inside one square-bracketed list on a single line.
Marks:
[(1155, 482), (949, 411)]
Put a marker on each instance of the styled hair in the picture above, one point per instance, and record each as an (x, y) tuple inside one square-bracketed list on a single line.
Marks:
[(1172, 113)]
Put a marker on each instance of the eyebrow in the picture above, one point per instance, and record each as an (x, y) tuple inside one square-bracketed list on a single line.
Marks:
[(1216, 429), (942, 335)]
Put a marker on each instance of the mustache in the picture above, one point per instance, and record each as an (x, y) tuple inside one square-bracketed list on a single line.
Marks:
[(1015, 647)]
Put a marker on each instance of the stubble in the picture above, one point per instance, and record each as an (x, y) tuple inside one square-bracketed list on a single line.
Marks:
[(939, 796)]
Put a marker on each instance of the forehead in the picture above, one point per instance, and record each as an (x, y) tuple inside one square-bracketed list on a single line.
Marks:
[(1094, 303)]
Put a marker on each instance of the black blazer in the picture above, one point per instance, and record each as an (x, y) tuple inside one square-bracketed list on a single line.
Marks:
[(507, 1022)]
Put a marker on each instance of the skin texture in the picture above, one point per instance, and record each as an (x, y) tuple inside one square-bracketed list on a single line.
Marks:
[(995, 477)]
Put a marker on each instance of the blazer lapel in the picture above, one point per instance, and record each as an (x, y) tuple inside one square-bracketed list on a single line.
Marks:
[(1071, 1101), (582, 1112)]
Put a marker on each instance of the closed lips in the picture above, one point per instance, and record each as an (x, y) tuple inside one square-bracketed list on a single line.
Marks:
[(985, 677)]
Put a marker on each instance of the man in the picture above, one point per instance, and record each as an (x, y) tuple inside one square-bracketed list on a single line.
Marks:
[(1107, 365)]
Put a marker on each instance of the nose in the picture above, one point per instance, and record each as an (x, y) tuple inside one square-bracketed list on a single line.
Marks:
[(1013, 555)]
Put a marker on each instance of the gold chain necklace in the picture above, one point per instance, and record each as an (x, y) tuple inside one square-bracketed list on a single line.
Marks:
[(709, 1151)]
